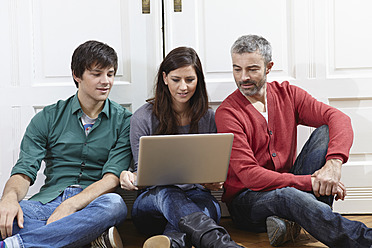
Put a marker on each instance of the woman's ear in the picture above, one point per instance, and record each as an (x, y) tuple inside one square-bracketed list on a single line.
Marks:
[(165, 78)]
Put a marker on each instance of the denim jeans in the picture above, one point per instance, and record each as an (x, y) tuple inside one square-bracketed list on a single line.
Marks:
[(158, 210), (75, 230), (250, 209)]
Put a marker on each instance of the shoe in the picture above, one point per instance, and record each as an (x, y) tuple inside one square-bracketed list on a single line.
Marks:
[(109, 239), (170, 240), (158, 241), (280, 230)]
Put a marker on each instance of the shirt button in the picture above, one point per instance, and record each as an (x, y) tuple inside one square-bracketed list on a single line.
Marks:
[(274, 154), (271, 132)]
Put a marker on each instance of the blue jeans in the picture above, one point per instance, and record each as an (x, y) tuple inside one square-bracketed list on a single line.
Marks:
[(158, 210), (250, 209), (75, 230)]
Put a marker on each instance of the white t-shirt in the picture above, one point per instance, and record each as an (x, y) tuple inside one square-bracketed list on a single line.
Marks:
[(87, 123)]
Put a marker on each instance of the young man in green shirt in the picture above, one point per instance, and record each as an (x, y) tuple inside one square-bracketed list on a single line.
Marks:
[(84, 142)]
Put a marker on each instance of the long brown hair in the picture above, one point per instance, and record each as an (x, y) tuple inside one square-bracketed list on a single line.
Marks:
[(162, 101)]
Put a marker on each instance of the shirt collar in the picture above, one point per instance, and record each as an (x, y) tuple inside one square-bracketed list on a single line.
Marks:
[(75, 106)]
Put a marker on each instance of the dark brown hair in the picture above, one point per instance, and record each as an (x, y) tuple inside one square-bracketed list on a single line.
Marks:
[(162, 101), (92, 53)]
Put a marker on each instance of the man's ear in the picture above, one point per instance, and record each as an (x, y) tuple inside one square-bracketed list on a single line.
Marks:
[(77, 79), (269, 66)]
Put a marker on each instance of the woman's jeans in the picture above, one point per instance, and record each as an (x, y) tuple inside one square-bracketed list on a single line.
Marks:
[(159, 209), (250, 209), (75, 230)]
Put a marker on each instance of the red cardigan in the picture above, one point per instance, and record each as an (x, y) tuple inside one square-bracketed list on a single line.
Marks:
[(262, 153)]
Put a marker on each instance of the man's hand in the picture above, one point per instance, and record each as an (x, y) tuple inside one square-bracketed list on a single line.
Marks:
[(107, 184), (9, 209), (63, 210), (341, 192), (15, 190), (325, 181), (127, 180)]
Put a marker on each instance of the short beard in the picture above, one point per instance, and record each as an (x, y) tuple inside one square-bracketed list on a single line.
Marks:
[(256, 88)]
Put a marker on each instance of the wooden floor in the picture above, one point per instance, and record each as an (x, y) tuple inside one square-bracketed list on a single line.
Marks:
[(133, 239)]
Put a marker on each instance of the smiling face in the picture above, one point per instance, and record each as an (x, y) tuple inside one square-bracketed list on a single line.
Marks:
[(250, 72), (95, 85), (182, 84)]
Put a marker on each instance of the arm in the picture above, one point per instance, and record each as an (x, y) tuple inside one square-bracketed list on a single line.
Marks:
[(315, 114), (120, 155), (107, 184), (326, 181), (33, 149), (212, 129), (140, 125), (15, 190)]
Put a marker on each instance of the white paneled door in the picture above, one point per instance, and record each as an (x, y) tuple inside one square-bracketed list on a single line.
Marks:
[(319, 45)]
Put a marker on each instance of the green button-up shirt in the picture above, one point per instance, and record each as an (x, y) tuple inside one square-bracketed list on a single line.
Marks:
[(56, 135)]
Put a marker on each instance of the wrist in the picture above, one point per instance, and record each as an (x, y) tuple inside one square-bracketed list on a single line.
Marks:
[(335, 161), (70, 204), (9, 197)]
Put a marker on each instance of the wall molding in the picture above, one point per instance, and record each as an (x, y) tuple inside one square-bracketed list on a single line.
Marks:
[(14, 42), (16, 130), (311, 70), (357, 201)]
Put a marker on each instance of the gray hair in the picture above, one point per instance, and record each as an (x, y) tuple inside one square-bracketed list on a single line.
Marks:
[(252, 43)]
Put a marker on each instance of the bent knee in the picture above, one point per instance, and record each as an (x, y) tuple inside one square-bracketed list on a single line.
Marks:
[(290, 195), (114, 205)]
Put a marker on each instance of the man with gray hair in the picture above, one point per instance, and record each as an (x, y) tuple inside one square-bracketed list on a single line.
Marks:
[(267, 187)]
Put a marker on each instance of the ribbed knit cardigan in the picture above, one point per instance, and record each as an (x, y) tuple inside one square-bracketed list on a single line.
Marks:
[(264, 152)]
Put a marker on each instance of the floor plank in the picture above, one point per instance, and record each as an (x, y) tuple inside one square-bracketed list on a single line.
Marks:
[(133, 239)]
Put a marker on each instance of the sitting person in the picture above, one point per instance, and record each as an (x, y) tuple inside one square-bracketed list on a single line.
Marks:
[(186, 214), (84, 142), (267, 188)]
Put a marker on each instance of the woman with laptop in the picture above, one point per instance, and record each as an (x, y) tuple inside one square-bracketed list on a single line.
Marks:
[(186, 214)]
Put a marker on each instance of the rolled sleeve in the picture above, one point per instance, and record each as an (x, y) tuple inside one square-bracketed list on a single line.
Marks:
[(120, 155), (33, 147)]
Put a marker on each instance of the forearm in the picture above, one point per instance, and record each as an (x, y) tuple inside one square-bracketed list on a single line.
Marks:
[(107, 184), (16, 187)]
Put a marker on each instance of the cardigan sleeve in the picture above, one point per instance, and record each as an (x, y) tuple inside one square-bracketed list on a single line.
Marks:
[(315, 114)]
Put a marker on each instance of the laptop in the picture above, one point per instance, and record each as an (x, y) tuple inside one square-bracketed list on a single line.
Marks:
[(183, 159)]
